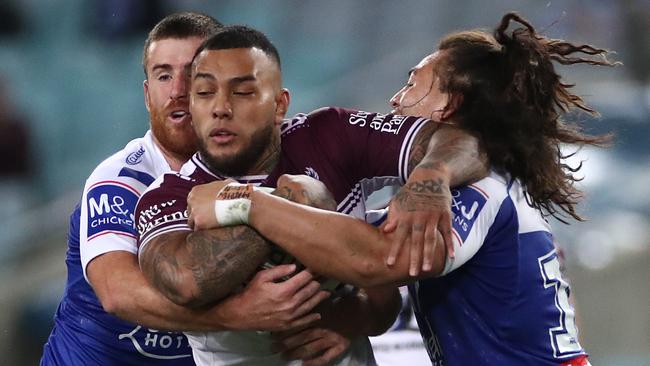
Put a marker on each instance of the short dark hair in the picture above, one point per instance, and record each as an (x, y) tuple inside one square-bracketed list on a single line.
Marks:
[(180, 25), (240, 36)]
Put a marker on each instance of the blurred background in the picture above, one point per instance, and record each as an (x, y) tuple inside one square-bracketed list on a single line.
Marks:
[(71, 95)]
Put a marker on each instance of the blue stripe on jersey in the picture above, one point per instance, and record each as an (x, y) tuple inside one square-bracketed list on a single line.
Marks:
[(141, 177), (495, 309)]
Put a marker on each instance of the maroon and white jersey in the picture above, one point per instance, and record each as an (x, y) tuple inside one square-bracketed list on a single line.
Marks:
[(163, 209), (354, 153)]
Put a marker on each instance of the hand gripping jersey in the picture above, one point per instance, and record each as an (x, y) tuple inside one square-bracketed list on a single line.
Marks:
[(84, 334), (353, 152), (502, 300)]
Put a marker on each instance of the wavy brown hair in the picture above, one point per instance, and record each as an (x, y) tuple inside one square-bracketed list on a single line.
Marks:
[(516, 103)]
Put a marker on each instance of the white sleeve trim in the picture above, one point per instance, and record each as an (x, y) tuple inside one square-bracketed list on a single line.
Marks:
[(164, 230), (106, 243)]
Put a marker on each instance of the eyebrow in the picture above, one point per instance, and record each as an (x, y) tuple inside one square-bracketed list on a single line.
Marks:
[(204, 75), (235, 80), (411, 71), (242, 79), (164, 67)]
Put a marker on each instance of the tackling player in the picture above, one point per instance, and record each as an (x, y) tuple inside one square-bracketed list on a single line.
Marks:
[(104, 279), (238, 104), (502, 299)]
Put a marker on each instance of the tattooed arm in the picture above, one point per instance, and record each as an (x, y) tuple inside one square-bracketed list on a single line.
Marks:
[(422, 207), (202, 267), (333, 244), (329, 243)]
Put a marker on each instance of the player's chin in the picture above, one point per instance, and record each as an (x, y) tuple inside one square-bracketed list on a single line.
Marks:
[(221, 152)]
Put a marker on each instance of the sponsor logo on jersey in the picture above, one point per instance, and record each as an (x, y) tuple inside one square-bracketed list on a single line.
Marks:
[(156, 344), (379, 122), (111, 208), (135, 157), (312, 172), (159, 214), (466, 204)]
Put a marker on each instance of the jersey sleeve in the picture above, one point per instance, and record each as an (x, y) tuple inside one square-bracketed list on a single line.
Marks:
[(361, 144), (474, 210), (107, 218), (163, 208)]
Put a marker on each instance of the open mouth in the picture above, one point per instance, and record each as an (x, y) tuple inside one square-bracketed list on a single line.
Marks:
[(179, 116)]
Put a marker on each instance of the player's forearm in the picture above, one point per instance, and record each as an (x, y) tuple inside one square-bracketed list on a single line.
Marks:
[(124, 292), (144, 305), (451, 155), (201, 268), (329, 243)]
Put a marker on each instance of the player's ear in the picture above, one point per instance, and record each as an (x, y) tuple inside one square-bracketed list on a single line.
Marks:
[(282, 100), (453, 104), (147, 101)]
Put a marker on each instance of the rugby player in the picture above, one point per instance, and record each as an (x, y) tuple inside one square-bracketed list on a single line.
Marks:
[(110, 314), (239, 102), (502, 299)]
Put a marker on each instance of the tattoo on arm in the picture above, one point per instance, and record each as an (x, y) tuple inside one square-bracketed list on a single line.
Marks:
[(423, 195), (420, 145), (159, 263), (223, 259), (452, 148), (212, 262)]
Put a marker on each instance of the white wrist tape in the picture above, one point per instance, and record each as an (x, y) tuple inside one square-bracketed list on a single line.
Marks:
[(233, 204)]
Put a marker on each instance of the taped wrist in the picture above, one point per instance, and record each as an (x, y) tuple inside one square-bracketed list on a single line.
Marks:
[(233, 204)]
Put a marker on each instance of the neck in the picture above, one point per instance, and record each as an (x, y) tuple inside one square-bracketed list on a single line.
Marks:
[(174, 160), (267, 161)]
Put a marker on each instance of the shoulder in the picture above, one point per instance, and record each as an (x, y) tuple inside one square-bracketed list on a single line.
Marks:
[(315, 118), (478, 204), (168, 185), (529, 218), (135, 166), (491, 190), (498, 195)]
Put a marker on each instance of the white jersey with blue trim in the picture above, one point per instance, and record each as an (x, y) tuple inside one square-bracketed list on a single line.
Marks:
[(502, 300), (103, 222)]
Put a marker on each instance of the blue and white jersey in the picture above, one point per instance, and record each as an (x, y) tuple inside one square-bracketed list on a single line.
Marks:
[(502, 300), (84, 334)]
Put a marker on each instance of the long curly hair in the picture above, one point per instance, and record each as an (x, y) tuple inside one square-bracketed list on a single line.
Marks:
[(515, 101)]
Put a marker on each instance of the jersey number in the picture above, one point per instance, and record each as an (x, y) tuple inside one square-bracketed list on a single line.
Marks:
[(564, 337)]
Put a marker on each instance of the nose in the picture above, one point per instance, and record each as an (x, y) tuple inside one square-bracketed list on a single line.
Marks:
[(179, 87), (394, 101), (222, 108)]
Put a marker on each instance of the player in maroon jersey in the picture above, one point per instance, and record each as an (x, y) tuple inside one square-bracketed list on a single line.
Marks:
[(238, 105)]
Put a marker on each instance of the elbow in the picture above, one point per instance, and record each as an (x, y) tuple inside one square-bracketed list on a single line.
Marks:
[(119, 302), (195, 293), (115, 304), (178, 287), (183, 293)]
